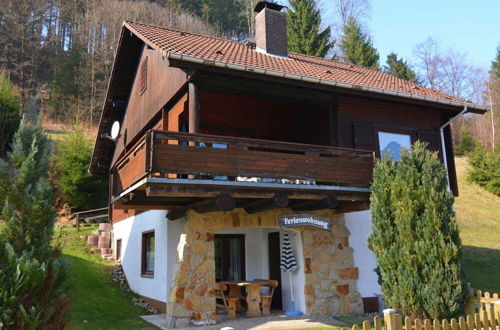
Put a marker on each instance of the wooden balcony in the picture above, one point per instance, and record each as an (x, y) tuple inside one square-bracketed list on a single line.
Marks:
[(171, 170)]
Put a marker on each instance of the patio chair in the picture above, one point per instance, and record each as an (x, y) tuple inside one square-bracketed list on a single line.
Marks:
[(219, 294), (267, 299)]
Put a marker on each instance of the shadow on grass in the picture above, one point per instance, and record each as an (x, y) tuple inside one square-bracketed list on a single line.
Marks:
[(482, 268), (97, 302)]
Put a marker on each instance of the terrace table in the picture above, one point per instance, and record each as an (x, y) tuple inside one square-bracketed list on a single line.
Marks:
[(253, 294)]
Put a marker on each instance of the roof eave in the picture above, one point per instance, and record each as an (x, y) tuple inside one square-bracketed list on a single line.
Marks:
[(187, 58)]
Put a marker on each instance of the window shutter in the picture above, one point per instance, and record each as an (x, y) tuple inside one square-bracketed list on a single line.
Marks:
[(433, 138), (364, 137)]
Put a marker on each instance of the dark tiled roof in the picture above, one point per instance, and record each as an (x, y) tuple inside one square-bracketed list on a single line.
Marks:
[(235, 53)]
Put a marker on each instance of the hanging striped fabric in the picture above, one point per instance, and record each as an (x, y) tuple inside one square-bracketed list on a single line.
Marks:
[(288, 262)]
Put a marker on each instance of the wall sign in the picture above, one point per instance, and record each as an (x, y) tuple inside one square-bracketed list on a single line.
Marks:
[(304, 219)]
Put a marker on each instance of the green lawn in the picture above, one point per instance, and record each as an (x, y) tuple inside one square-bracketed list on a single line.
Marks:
[(98, 303), (478, 214)]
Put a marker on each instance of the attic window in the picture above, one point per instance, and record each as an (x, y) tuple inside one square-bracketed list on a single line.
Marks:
[(144, 75)]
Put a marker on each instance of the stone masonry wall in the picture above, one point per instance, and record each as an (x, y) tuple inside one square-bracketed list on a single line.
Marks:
[(330, 275)]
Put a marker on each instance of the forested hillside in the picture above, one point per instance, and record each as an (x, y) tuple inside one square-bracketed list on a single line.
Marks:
[(61, 51)]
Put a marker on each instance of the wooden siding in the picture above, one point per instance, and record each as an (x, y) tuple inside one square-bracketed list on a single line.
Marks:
[(264, 118), (361, 118), (384, 116), (163, 83)]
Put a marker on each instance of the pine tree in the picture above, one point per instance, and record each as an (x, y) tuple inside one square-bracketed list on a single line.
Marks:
[(357, 47), (495, 65), (400, 68), (303, 25), (33, 293), (27, 209), (9, 112), (415, 236)]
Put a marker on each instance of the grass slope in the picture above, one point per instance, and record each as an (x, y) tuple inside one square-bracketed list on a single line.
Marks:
[(97, 302), (478, 215)]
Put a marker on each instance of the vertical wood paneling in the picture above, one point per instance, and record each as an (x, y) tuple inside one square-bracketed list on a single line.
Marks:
[(264, 118), (162, 83)]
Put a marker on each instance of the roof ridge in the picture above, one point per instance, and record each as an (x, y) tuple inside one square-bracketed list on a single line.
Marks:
[(293, 53), (183, 31)]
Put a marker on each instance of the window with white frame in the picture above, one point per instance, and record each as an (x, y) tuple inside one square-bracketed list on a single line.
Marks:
[(392, 143)]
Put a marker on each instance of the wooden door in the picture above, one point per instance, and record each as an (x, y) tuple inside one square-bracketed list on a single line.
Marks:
[(274, 268)]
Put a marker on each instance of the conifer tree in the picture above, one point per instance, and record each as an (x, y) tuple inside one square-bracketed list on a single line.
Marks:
[(495, 65), (303, 29), (9, 112), (400, 68), (357, 47), (33, 293), (27, 209), (415, 236)]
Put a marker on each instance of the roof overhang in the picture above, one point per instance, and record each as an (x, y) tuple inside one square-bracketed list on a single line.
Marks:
[(308, 79)]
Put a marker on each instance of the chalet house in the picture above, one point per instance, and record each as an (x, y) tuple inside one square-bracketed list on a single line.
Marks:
[(208, 141)]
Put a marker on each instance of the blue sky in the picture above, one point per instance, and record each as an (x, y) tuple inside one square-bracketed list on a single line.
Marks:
[(468, 26), (471, 26)]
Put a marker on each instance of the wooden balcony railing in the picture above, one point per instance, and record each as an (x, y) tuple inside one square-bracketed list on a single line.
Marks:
[(207, 157)]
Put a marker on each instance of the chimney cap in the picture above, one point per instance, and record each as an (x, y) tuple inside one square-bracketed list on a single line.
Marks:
[(266, 4)]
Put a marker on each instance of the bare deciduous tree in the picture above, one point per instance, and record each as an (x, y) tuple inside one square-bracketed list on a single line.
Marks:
[(358, 9), (454, 73)]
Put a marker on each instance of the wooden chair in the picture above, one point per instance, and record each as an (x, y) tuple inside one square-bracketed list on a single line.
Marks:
[(267, 299), (219, 293), (230, 303)]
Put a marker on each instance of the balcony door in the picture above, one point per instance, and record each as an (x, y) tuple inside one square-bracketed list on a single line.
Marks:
[(229, 257)]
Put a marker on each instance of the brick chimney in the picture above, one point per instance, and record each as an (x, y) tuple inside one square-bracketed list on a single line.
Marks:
[(270, 29)]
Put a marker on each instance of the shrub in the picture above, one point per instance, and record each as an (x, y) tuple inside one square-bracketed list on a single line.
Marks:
[(415, 236), (33, 293), (78, 187), (9, 113), (485, 169)]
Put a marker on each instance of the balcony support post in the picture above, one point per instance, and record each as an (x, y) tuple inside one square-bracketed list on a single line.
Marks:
[(280, 200), (223, 202), (194, 108), (327, 203)]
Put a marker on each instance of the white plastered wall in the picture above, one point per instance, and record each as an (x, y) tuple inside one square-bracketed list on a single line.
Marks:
[(166, 239), (360, 226), (257, 261)]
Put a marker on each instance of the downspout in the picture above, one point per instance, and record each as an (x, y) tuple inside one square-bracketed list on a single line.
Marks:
[(443, 146)]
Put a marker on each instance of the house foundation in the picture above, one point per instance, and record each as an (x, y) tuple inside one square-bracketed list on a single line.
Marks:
[(329, 272)]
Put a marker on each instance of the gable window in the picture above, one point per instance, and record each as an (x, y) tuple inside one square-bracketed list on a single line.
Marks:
[(392, 143), (144, 75), (148, 253)]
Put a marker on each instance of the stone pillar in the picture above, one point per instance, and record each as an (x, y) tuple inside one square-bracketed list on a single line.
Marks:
[(192, 297), (330, 275)]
